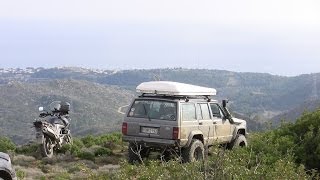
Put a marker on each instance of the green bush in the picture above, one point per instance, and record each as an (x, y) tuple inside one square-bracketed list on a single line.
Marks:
[(6, 145), (306, 134), (20, 174), (29, 149), (86, 155), (90, 140), (74, 148), (102, 151), (300, 139)]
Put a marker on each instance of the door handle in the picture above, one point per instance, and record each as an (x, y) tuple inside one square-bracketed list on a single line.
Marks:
[(214, 122), (200, 123)]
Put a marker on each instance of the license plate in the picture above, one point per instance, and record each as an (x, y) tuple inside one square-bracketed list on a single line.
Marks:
[(149, 130)]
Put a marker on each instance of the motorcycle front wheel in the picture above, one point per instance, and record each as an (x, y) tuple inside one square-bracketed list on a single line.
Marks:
[(68, 139), (47, 147)]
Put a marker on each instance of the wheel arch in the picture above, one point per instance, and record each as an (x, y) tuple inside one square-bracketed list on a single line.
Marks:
[(238, 131), (195, 135)]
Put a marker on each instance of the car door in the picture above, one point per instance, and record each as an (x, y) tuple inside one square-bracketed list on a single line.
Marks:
[(222, 125), (189, 120), (205, 122)]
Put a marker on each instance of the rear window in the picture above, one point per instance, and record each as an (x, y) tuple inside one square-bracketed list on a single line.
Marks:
[(154, 109)]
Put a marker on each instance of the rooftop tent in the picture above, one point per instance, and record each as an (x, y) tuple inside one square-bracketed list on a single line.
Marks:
[(174, 88)]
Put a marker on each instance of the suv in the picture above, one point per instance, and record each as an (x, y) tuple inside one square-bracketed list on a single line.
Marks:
[(170, 116)]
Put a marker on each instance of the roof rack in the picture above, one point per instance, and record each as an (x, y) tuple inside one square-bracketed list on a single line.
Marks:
[(187, 98), (169, 88)]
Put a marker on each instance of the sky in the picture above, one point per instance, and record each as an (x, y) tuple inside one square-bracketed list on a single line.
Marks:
[(280, 37)]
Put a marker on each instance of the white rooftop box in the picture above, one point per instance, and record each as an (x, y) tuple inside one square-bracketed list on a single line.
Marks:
[(174, 88)]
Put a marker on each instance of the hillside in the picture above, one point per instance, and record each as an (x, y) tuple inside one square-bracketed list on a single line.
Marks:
[(94, 106), (292, 114), (97, 94), (251, 94)]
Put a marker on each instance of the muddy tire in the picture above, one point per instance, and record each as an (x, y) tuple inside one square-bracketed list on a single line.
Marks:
[(194, 152), (239, 141), (46, 147)]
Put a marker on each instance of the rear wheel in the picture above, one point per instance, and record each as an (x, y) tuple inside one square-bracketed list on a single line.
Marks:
[(47, 147), (194, 152)]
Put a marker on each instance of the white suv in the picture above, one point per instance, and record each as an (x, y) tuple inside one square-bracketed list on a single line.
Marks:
[(170, 116)]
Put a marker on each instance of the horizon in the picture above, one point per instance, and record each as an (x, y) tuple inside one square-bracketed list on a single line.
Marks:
[(164, 68)]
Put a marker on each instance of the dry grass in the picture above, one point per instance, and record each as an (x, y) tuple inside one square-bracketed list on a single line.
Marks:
[(61, 166)]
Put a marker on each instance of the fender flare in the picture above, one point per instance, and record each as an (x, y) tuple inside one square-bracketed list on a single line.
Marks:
[(237, 129), (192, 134)]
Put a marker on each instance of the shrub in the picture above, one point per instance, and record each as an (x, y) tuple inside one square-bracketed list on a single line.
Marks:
[(30, 149), (102, 151), (20, 174), (6, 145), (61, 176), (88, 141), (26, 161), (86, 155)]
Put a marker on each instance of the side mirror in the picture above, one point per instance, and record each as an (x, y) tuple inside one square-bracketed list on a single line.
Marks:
[(224, 103), (41, 109)]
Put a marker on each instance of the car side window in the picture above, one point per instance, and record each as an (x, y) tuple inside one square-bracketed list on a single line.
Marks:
[(199, 114), (188, 112), (204, 111), (215, 109)]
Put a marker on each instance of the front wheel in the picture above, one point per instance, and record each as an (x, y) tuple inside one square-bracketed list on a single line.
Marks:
[(239, 141), (68, 139), (194, 152), (47, 147)]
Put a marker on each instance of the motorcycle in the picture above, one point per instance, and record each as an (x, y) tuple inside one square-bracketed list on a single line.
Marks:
[(52, 130)]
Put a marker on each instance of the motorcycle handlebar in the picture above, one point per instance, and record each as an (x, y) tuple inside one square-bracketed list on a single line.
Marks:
[(42, 115), (45, 114)]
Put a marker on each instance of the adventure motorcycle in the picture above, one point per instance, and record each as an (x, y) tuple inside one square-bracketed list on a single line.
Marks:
[(52, 130)]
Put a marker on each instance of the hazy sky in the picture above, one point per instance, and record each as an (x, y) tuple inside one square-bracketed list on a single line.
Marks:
[(273, 36)]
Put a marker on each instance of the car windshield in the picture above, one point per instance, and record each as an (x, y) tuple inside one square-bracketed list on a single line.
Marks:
[(154, 109)]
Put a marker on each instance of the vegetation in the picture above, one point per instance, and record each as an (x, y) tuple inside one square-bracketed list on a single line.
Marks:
[(87, 157), (6, 145), (288, 152)]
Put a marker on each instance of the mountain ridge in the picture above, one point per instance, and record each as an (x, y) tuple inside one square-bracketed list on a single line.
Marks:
[(258, 97)]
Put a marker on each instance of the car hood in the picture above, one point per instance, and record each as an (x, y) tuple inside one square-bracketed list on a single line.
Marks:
[(239, 121)]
